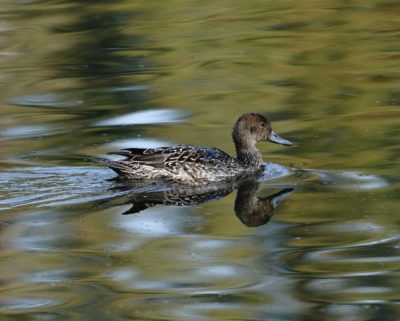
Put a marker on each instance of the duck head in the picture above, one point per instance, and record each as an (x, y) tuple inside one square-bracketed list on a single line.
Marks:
[(252, 128)]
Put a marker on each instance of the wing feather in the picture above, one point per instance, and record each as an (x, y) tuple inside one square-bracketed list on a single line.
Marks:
[(183, 156)]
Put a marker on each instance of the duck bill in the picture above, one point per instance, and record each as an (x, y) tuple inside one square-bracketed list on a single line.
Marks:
[(280, 196), (275, 138)]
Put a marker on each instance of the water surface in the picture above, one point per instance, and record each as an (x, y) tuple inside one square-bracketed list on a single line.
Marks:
[(79, 79)]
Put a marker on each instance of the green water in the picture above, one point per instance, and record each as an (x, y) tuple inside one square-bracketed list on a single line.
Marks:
[(79, 79)]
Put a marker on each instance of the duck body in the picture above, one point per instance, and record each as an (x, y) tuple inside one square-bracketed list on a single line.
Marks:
[(199, 165), (185, 164)]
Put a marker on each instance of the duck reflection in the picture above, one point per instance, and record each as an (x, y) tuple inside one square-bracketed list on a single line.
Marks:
[(251, 209)]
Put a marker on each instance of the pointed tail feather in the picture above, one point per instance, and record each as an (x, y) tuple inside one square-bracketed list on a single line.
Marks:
[(116, 166), (129, 152)]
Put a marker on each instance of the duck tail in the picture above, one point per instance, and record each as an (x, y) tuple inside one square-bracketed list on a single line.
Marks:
[(116, 166)]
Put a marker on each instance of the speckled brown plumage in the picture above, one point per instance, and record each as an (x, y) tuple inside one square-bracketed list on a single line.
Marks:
[(198, 165)]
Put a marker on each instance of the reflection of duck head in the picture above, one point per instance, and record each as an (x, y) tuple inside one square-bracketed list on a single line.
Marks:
[(254, 211), (251, 210)]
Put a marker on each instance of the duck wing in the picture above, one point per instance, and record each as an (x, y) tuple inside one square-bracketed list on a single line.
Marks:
[(171, 157), (147, 156)]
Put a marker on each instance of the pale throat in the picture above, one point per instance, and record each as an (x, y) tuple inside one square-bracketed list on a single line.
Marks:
[(247, 152)]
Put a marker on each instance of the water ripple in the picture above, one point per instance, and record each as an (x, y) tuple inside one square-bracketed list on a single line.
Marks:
[(153, 116)]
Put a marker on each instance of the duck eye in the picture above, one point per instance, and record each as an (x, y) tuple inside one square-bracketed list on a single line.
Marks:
[(262, 124)]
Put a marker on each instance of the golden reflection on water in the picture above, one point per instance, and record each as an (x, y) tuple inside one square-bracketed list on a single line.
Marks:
[(326, 74)]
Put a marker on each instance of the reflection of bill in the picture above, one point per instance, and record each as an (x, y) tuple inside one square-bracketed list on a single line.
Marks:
[(251, 209)]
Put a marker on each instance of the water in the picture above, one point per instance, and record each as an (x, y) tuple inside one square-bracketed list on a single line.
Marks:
[(79, 79)]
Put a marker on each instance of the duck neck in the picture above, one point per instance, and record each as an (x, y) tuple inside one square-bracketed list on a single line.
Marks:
[(247, 154)]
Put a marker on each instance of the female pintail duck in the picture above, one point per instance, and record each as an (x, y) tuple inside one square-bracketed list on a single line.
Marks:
[(198, 165)]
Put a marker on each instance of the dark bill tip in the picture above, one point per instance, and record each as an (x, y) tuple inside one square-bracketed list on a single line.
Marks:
[(275, 138)]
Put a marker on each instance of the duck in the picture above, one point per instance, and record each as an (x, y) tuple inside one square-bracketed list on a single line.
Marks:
[(199, 165)]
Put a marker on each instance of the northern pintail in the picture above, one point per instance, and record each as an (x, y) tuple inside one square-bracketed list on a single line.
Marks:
[(199, 165)]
